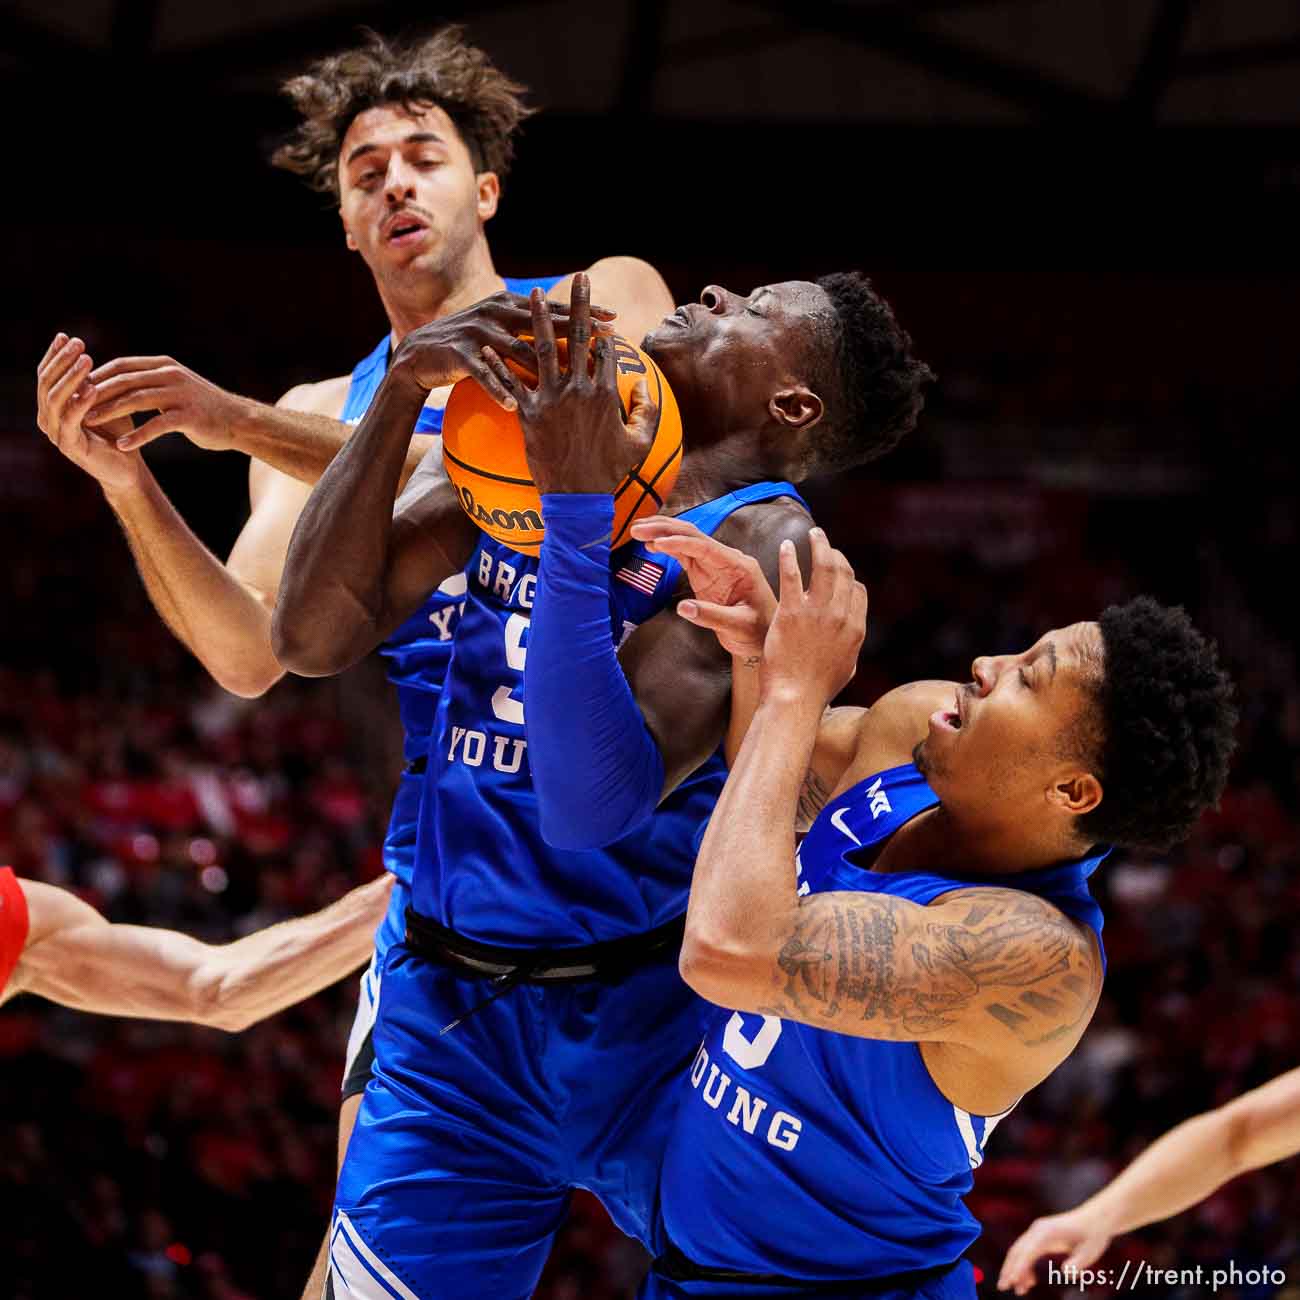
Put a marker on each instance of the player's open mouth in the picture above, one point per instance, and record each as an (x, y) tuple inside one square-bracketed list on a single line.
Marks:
[(679, 317), (946, 719), (405, 230)]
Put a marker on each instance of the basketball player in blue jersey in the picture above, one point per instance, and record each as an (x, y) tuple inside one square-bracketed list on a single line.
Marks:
[(532, 1021), (413, 143), (931, 951)]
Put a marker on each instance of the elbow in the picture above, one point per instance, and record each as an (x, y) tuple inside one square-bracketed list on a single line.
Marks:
[(248, 681), (297, 651), (1236, 1137), (718, 971), (584, 832), (576, 830), (214, 1003)]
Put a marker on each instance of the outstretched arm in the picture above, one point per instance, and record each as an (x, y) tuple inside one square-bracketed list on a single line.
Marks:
[(298, 437), (74, 956), (220, 612), (1173, 1173)]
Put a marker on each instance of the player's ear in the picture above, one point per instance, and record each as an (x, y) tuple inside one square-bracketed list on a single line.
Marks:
[(489, 195), (347, 234), (796, 408), (1076, 793)]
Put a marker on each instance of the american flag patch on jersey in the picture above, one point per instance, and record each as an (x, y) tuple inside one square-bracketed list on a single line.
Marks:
[(642, 574)]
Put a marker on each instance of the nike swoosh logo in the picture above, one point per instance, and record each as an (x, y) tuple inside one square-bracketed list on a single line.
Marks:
[(837, 820)]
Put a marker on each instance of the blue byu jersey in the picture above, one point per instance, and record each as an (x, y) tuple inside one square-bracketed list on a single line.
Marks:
[(813, 1154), (419, 650), (482, 866)]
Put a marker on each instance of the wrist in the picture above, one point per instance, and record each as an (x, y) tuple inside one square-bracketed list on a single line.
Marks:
[(1104, 1215), (792, 682), (788, 695), (247, 419), (403, 377), (581, 521), (131, 488)]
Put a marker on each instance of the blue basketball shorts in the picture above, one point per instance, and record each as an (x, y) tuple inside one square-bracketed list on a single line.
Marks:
[(399, 858), (467, 1144)]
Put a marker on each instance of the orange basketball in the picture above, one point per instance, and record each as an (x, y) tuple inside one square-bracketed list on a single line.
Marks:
[(483, 450)]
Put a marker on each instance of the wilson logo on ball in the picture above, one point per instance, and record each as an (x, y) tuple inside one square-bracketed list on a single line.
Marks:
[(510, 521), (483, 451)]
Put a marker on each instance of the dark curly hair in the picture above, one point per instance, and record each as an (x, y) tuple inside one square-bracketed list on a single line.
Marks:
[(1167, 722), (872, 383), (441, 69)]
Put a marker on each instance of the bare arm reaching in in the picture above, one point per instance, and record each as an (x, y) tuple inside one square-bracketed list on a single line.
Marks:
[(1173, 1173), (74, 956), (221, 612)]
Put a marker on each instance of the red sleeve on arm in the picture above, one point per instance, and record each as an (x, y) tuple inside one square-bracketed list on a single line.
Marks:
[(13, 924)]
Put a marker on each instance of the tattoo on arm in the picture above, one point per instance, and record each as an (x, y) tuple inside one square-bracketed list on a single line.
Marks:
[(813, 795), (874, 958)]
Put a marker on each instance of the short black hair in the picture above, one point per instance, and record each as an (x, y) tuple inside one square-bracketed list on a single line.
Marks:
[(1168, 727), (866, 374)]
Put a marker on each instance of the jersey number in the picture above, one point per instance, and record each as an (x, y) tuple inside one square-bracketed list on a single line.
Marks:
[(504, 704), (750, 1053)]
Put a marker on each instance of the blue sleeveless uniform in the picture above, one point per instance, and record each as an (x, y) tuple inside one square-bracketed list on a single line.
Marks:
[(419, 650), (803, 1153), (418, 653), (467, 1144)]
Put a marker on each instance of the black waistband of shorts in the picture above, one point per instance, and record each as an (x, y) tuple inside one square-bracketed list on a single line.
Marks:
[(677, 1267), (606, 960)]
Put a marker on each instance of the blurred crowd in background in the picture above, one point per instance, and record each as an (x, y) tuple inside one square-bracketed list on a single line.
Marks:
[(1093, 434), (1061, 465)]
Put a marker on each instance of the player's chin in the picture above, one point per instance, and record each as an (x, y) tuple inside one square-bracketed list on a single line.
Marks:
[(922, 757), (422, 256)]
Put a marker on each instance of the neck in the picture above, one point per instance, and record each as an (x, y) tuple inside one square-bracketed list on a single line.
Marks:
[(414, 299), (986, 848), (734, 461)]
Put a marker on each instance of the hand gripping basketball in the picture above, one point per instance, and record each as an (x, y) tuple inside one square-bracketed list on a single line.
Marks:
[(608, 425)]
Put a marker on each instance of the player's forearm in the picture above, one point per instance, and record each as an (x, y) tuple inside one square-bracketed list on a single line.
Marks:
[(745, 680), (301, 444), (596, 769), (331, 605), (263, 973), (1174, 1172), (223, 623), (1201, 1154), (744, 882)]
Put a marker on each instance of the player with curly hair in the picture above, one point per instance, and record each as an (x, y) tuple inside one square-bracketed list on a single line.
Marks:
[(413, 142), (931, 950)]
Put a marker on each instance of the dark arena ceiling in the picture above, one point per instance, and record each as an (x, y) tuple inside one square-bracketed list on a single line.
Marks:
[(1066, 132), (920, 62)]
